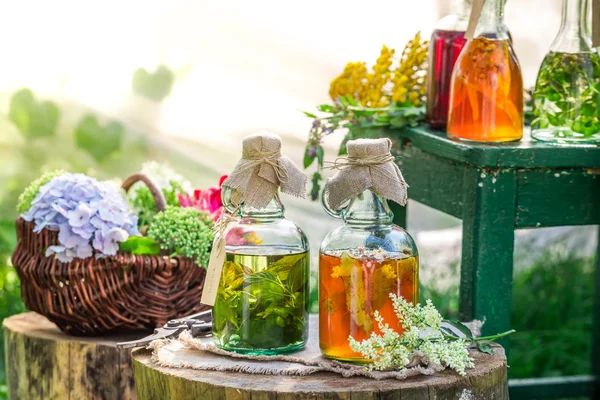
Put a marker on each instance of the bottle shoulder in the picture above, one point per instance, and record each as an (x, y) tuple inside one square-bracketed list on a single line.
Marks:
[(571, 44), (390, 238), (268, 237)]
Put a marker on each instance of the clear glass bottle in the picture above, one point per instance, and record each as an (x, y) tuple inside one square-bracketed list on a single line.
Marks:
[(263, 297), (445, 45), (360, 263), (566, 98), (486, 101)]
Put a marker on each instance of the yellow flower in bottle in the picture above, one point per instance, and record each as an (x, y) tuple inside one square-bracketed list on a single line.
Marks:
[(253, 238), (336, 272), (388, 271)]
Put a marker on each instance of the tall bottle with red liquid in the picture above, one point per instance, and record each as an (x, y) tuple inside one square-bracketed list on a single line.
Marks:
[(447, 41), (486, 95)]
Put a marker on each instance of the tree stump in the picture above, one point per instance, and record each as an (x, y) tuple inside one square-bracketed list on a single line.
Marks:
[(44, 363), (488, 380)]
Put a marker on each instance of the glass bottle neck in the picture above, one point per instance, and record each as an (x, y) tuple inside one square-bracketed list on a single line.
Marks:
[(368, 209), (461, 8), (574, 35), (458, 18), (491, 21), (273, 211)]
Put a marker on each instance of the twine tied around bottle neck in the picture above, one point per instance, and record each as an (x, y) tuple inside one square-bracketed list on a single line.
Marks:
[(263, 170), (369, 165), (345, 162), (217, 256), (226, 217), (270, 158)]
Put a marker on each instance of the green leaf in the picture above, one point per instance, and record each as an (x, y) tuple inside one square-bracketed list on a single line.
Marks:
[(351, 101), (461, 327), (310, 115), (320, 155), (259, 277), (309, 157), (349, 136), (33, 119), (296, 280), (399, 121), (140, 246), (485, 347), (100, 142), (326, 108), (284, 264), (316, 186), (406, 116), (448, 331), (154, 86)]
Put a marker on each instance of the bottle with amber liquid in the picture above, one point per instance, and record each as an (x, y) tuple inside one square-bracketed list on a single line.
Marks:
[(367, 258), (486, 95)]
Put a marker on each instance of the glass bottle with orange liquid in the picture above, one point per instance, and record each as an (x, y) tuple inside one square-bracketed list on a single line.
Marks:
[(486, 95), (361, 263)]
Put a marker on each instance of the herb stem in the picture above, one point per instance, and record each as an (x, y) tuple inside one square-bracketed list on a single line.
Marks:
[(495, 337), (482, 338)]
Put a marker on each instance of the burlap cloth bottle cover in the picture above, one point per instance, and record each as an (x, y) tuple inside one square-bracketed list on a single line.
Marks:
[(369, 165), (262, 170), (255, 180)]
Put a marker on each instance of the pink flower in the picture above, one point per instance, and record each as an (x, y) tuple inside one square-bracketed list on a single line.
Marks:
[(207, 200), (237, 237)]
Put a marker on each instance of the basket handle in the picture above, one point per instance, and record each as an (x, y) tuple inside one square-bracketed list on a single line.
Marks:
[(157, 194)]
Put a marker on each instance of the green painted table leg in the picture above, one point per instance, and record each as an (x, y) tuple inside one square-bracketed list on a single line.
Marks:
[(489, 203), (399, 213), (596, 327)]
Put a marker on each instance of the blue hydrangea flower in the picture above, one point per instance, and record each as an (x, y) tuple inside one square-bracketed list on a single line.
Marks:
[(110, 240), (89, 216)]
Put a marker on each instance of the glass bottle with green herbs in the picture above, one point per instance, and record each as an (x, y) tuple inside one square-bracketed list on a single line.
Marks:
[(262, 300), (566, 99)]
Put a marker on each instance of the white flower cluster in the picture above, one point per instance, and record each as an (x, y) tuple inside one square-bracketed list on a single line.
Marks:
[(165, 176), (422, 341)]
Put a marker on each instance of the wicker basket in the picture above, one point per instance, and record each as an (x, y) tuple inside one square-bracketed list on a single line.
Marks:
[(87, 297)]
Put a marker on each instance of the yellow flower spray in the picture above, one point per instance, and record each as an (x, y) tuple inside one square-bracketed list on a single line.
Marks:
[(391, 80), (390, 94)]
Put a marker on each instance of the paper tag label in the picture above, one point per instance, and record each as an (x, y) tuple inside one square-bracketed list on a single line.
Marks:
[(474, 18), (213, 273)]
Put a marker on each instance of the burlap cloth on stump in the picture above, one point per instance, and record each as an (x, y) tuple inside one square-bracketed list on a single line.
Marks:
[(202, 354)]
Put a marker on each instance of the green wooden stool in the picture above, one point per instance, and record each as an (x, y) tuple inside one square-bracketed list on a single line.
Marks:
[(495, 189)]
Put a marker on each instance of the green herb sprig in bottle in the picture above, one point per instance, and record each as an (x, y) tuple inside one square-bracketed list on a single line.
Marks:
[(261, 305), (566, 99)]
